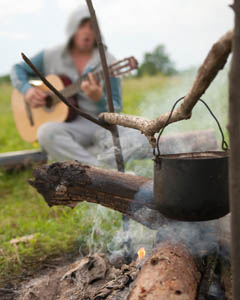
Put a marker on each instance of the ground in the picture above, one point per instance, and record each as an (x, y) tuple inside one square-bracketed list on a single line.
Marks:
[(61, 230)]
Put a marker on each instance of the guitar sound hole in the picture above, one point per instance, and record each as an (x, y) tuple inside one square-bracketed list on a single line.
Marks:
[(50, 104), (49, 101)]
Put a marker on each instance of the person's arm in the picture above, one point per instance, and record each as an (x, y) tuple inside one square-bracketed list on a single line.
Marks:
[(21, 72), (20, 75)]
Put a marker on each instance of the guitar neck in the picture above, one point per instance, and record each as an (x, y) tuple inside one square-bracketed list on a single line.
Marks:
[(116, 69), (75, 87)]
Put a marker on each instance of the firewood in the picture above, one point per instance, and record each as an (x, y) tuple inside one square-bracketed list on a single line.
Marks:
[(169, 273), (68, 183), (20, 159)]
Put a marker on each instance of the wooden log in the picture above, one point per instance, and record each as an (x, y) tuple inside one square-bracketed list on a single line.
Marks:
[(20, 159), (169, 273), (69, 183)]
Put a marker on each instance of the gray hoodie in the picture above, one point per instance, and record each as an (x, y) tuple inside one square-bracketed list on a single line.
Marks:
[(58, 60)]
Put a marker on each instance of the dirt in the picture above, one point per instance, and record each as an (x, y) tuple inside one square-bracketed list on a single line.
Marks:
[(92, 277), (10, 287)]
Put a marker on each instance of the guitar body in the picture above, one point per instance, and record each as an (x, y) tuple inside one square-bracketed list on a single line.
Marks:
[(58, 112), (28, 120)]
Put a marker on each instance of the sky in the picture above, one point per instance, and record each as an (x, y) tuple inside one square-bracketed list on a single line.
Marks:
[(187, 28)]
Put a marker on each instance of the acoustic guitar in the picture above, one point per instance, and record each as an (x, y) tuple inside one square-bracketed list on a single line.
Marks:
[(28, 119)]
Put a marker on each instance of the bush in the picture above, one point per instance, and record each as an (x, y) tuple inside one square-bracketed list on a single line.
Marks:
[(156, 62)]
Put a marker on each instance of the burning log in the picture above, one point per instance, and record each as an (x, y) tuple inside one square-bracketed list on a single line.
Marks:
[(169, 273), (94, 277)]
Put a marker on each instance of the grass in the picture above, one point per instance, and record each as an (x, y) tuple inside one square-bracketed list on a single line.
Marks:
[(135, 91), (57, 230), (23, 212)]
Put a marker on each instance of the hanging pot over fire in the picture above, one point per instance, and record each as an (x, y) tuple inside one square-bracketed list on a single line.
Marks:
[(192, 186)]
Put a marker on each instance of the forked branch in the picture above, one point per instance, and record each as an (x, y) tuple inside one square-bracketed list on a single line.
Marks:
[(214, 62)]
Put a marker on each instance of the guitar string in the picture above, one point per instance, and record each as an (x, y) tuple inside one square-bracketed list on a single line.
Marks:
[(72, 89)]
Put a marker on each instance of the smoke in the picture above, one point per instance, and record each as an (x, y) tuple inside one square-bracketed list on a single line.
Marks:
[(139, 235), (216, 96), (199, 237)]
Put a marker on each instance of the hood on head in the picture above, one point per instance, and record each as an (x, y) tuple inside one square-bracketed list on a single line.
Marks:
[(75, 19)]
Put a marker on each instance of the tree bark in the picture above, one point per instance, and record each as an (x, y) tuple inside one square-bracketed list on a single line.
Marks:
[(169, 273), (234, 171), (70, 183), (214, 62)]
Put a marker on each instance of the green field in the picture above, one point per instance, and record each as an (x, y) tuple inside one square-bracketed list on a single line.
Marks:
[(88, 227)]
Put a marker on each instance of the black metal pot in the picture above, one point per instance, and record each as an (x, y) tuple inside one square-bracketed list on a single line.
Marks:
[(192, 186)]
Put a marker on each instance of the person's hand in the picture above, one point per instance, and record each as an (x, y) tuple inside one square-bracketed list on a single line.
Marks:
[(92, 89), (35, 97)]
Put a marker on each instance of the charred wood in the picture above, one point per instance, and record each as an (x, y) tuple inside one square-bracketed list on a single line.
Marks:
[(69, 183), (89, 278), (168, 273)]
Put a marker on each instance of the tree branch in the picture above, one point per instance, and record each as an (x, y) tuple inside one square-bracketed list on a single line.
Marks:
[(114, 131), (214, 62)]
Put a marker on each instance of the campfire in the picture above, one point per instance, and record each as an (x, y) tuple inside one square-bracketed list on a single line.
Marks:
[(188, 260), (141, 253)]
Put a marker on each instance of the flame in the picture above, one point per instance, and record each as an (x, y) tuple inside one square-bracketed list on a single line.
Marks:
[(141, 253)]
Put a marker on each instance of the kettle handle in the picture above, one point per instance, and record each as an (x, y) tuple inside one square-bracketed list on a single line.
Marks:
[(224, 143)]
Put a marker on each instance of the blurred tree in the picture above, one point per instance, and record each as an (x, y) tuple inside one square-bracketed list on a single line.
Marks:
[(157, 61), (5, 79)]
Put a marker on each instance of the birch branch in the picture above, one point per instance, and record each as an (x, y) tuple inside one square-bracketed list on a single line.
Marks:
[(214, 62)]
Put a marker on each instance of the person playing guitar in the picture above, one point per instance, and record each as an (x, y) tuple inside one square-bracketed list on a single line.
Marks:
[(79, 57)]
